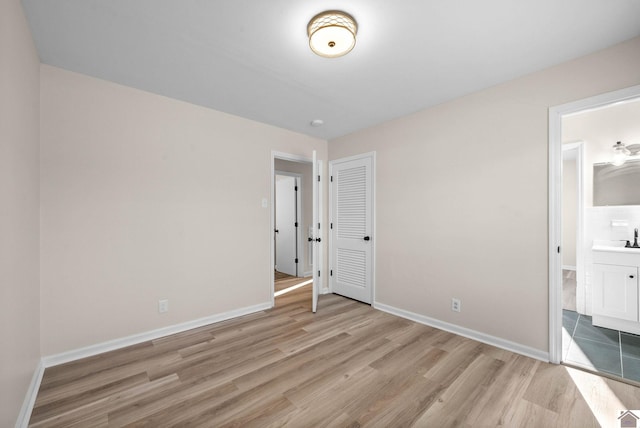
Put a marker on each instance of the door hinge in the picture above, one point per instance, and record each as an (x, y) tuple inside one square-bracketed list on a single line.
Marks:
[(331, 272), (295, 188), (296, 260), (558, 249), (331, 225), (318, 178), (296, 224), (318, 226), (318, 274), (332, 178)]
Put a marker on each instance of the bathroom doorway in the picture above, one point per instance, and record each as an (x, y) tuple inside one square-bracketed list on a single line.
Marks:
[(573, 271), (294, 207), (582, 134)]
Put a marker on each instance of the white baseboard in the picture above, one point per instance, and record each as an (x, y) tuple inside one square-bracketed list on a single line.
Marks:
[(30, 397), (99, 348), (567, 267), (325, 291), (466, 332), (65, 357)]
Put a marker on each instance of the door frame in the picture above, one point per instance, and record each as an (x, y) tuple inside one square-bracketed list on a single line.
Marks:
[(578, 147), (292, 158), (371, 155), (556, 114), (299, 217)]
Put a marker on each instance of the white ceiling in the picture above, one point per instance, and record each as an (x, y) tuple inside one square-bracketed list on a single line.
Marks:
[(251, 57)]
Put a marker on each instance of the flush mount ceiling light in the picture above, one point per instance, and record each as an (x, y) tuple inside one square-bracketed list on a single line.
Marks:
[(332, 33), (620, 153)]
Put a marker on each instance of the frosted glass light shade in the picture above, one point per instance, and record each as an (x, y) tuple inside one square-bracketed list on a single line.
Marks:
[(620, 153), (332, 33)]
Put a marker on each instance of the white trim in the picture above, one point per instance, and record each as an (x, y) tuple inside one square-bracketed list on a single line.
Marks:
[(567, 267), (465, 332), (581, 266), (287, 173), (579, 148), (30, 397), (99, 348), (371, 154), (330, 233), (373, 224), (323, 227), (555, 236), (555, 203)]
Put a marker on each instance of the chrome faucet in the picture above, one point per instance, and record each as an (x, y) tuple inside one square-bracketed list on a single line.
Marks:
[(635, 238)]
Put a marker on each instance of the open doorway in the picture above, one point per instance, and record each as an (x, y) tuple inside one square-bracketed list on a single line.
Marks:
[(594, 305), (573, 288), (289, 254), (293, 234), (573, 271)]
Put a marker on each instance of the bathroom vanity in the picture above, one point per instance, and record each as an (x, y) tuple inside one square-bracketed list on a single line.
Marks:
[(616, 296)]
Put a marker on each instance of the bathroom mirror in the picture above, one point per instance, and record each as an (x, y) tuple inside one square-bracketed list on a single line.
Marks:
[(616, 185)]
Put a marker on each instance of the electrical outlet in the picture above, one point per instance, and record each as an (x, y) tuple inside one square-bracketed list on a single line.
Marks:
[(163, 306), (456, 305)]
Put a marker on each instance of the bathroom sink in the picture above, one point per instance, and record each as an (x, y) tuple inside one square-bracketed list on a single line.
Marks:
[(614, 246)]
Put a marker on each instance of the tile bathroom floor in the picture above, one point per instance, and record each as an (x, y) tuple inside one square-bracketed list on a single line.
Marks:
[(599, 349)]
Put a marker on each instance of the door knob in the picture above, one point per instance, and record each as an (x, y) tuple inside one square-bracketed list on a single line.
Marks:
[(318, 239), (631, 276), (367, 238), (277, 231)]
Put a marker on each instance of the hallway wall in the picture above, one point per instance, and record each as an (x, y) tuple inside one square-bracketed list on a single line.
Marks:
[(19, 210)]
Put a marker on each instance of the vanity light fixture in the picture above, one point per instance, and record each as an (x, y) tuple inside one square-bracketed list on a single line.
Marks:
[(620, 153), (332, 33), (634, 149)]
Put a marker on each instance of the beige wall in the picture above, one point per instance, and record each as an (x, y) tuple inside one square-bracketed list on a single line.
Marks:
[(19, 212), (143, 199), (461, 198), (569, 211)]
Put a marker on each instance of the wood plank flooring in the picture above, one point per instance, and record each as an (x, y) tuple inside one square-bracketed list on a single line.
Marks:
[(282, 281), (348, 365)]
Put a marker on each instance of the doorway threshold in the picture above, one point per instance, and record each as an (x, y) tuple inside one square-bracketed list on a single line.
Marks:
[(293, 287)]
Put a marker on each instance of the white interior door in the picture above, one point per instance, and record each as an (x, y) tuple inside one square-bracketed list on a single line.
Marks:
[(285, 226), (315, 234), (352, 227)]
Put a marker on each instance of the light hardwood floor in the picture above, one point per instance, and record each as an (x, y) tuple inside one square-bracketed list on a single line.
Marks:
[(348, 365), (282, 281)]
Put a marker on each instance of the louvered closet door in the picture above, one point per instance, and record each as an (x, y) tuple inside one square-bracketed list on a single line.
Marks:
[(351, 233)]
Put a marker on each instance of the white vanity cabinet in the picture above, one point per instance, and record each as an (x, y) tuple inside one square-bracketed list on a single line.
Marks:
[(616, 297), (615, 291)]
